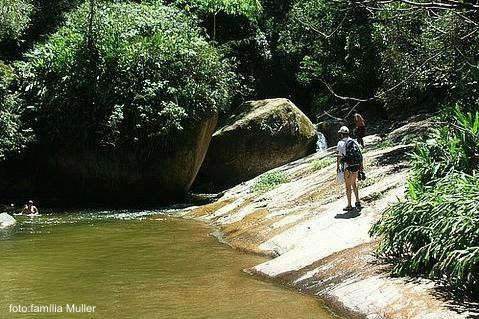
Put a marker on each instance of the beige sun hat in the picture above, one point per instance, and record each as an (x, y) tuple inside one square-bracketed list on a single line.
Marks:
[(343, 130)]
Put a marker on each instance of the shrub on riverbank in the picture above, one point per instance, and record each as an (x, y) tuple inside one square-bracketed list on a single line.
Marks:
[(14, 18), (14, 136), (124, 73), (434, 231)]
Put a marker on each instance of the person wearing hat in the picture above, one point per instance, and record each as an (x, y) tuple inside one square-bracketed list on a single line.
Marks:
[(350, 171)]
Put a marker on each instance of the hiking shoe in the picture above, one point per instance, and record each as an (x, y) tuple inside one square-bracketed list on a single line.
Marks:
[(348, 208), (358, 205)]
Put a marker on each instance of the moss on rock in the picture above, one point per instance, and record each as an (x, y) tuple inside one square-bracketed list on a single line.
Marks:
[(258, 136)]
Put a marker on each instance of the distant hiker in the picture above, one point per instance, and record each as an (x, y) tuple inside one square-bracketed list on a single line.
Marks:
[(359, 127), (30, 209), (349, 160)]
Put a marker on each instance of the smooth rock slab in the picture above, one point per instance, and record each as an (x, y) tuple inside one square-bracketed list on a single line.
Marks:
[(6, 221)]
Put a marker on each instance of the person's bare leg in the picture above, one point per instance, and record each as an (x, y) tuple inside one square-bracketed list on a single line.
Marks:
[(354, 184), (347, 180)]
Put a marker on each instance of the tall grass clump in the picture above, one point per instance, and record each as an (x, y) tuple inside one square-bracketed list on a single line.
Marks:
[(269, 181), (319, 164), (434, 231)]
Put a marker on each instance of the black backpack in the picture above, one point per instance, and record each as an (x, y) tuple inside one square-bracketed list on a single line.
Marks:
[(354, 156)]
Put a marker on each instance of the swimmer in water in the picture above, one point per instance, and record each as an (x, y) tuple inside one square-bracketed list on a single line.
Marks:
[(30, 209)]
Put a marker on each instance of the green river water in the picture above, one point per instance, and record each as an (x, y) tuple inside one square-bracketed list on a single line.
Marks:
[(134, 265)]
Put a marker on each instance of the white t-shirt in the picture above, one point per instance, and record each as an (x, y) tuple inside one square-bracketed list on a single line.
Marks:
[(341, 148)]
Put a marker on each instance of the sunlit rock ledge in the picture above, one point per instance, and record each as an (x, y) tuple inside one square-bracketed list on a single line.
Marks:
[(319, 249)]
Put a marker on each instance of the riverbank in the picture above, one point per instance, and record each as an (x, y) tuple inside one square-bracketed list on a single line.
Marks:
[(319, 249)]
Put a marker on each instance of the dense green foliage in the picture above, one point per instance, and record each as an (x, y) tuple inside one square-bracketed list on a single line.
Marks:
[(434, 231), (233, 26), (453, 148), (24, 22), (141, 72), (394, 55), (248, 8), (391, 55), (269, 181), (14, 134), (332, 44), (14, 18), (431, 54)]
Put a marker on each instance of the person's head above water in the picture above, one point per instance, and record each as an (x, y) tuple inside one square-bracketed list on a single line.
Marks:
[(30, 202)]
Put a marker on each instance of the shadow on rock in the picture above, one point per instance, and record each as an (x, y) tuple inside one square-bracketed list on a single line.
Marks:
[(394, 157), (348, 215), (456, 299)]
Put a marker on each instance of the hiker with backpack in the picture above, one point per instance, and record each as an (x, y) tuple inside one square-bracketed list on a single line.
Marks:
[(350, 162)]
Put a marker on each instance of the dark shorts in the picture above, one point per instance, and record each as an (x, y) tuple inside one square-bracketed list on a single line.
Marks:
[(353, 168), (360, 131)]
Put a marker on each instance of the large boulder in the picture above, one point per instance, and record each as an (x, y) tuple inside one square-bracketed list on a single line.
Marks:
[(258, 136), (166, 174), (330, 129), (113, 176), (6, 221)]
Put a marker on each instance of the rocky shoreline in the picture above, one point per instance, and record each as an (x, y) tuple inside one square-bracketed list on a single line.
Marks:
[(318, 249)]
